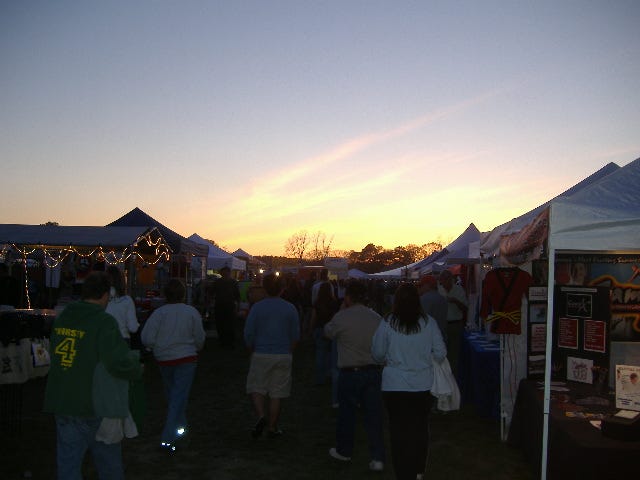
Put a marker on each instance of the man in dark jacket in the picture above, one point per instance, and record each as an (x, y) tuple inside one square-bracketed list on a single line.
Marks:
[(227, 297)]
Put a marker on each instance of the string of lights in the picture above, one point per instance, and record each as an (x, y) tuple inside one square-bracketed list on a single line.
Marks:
[(54, 256)]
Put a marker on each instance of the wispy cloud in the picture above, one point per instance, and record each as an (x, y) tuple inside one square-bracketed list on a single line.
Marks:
[(262, 194), (334, 181)]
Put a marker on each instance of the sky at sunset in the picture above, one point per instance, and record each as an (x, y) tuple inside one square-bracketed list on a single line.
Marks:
[(385, 122)]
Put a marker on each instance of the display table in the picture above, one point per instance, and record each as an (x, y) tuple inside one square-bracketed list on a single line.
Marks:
[(576, 448), (20, 329), (479, 374)]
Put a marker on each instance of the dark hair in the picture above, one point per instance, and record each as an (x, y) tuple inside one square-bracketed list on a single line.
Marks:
[(406, 310), (95, 286), (175, 291), (325, 293), (356, 291), (272, 284), (116, 276), (324, 274)]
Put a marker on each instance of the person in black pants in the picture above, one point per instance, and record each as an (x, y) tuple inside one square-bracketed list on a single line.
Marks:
[(407, 342), (225, 310)]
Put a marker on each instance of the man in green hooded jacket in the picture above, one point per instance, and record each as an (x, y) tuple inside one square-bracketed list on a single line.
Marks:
[(83, 336)]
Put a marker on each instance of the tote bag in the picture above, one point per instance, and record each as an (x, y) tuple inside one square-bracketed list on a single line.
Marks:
[(445, 388)]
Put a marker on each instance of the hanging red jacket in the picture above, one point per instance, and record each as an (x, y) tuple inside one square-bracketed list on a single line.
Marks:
[(502, 291)]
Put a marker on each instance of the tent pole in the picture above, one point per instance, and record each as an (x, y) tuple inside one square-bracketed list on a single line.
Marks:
[(548, 356), (503, 413)]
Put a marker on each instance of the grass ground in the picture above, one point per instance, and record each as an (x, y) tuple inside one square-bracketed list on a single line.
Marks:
[(463, 446)]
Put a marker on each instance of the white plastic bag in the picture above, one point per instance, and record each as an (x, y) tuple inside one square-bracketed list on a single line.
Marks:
[(445, 388)]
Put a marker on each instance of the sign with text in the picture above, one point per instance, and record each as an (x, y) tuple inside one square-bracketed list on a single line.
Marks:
[(628, 387), (568, 333), (595, 336)]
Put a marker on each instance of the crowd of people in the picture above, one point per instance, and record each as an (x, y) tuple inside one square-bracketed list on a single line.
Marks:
[(373, 360)]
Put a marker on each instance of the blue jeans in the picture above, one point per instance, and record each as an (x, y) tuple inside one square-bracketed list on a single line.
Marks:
[(177, 380), (323, 356), (361, 388), (76, 435)]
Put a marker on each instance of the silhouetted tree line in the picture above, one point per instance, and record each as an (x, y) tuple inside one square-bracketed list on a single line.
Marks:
[(371, 259), (374, 258)]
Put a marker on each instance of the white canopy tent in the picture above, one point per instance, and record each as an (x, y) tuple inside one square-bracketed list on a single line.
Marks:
[(604, 217), (217, 257), (601, 214), (399, 273)]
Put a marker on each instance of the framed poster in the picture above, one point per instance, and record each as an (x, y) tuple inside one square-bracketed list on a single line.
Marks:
[(595, 336), (538, 335), (538, 294), (580, 370), (579, 303), (568, 333)]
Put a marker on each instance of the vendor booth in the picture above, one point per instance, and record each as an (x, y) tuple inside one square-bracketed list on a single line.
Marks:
[(59, 255), (580, 254)]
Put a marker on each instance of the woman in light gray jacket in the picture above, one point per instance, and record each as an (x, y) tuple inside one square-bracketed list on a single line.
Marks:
[(407, 342)]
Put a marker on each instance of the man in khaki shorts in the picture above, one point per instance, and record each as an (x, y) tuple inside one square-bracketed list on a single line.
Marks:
[(271, 332)]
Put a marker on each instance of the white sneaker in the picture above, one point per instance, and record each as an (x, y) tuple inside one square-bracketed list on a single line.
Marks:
[(420, 476), (376, 466), (334, 453)]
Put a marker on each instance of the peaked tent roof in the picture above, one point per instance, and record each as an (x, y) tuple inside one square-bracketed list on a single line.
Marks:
[(250, 259), (490, 241), (216, 256), (241, 253), (458, 249), (603, 216), (177, 242), (618, 190)]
